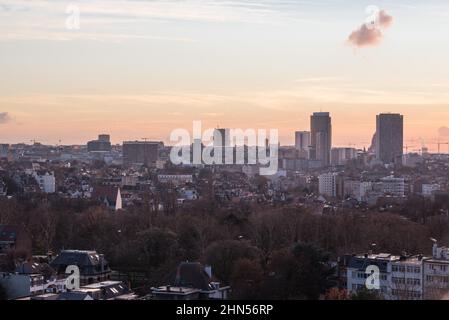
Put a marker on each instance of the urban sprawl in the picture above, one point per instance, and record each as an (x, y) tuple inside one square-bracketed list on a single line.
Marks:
[(140, 227)]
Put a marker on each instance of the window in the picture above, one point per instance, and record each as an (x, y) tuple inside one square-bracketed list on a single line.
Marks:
[(417, 269), (395, 268), (414, 282), (402, 269), (409, 269)]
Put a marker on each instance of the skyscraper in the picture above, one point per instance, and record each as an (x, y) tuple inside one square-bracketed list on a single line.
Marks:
[(390, 137), (320, 137), (302, 141)]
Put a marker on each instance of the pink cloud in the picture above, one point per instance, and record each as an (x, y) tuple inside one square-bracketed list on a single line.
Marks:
[(385, 20), (365, 37)]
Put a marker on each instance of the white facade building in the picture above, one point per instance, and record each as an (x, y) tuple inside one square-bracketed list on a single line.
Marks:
[(393, 186), (403, 277), (328, 184), (46, 181)]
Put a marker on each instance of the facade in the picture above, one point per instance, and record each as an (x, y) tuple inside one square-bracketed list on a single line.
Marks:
[(403, 277), (141, 153), (390, 136), (331, 184), (356, 272), (436, 274), (321, 137), (407, 278), (340, 156), (302, 142), (392, 186), (93, 266), (102, 144), (46, 181), (175, 179)]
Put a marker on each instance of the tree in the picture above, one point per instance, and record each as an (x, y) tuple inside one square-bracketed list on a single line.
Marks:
[(300, 272), (336, 294), (246, 279), (365, 294), (222, 255)]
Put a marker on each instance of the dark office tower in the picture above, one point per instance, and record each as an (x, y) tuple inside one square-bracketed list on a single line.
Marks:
[(390, 137), (141, 153), (102, 144), (320, 137)]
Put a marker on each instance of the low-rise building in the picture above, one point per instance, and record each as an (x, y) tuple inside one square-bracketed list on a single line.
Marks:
[(93, 266)]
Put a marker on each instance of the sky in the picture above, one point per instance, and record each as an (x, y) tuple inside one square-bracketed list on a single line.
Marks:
[(140, 69)]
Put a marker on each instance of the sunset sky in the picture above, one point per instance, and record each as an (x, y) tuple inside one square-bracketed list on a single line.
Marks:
[(140, 68)]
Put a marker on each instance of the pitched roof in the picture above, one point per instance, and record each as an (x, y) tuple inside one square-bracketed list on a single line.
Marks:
[(77, 257), (109, 193), (192, 275)]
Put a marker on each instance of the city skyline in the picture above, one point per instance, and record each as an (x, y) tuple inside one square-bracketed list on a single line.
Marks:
[(140, 69)]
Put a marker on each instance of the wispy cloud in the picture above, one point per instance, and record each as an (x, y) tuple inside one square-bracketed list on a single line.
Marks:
[(119, 20)]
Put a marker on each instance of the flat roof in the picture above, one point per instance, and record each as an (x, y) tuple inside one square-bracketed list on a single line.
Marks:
[(175, 290), (102, 284)]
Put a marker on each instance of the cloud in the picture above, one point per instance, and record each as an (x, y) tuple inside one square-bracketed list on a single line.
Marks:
[(443, 132), (4, 117), (385, 20), (367, 35)]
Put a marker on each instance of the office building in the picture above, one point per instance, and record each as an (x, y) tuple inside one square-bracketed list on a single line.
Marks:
[(331, 184), (141, 152), (302, 143), (320, 137), (389, 137), (102, 144), (393, 186), (340, 156)]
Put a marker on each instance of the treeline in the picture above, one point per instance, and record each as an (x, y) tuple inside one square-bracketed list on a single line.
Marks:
[(261, 251)]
